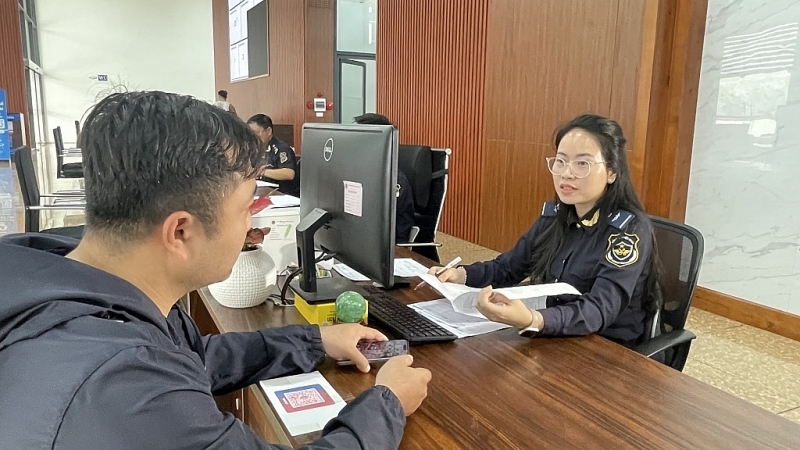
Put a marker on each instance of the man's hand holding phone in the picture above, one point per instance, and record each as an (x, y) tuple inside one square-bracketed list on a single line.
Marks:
[(378, 351)]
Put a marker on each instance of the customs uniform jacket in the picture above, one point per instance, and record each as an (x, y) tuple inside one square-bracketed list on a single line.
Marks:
[(604, 257)]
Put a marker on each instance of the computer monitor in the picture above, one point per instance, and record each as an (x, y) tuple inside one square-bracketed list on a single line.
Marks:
[(347, 206)]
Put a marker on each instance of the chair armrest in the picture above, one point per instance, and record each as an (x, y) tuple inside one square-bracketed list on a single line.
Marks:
[(668, 340), (62, 195), (420, 244)]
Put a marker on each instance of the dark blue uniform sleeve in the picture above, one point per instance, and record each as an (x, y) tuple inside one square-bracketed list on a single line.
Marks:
[(146, 397), (405, 209), (508, 269), (236, 360), (612, 290), (284, 158)]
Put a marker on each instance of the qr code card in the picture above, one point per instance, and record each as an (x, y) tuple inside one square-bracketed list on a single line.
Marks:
[(303, 398)]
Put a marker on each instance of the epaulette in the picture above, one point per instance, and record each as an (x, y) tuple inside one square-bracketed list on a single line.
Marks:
[(620, 219), (550, 209)]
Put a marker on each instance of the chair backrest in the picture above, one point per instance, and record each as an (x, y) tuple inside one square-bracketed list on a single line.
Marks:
[(58, 139), (415, 161), (427, 218), (29, 189), (77, 132), (284, 132), (680, 250), (297, 173)]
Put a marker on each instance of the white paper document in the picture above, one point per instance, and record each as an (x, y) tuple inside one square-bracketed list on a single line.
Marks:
[(465, 299), (353, 198), (403, 267), (441, 312), (349, 273), (260, 183), (305, 403), (408, 268), (284, 201)]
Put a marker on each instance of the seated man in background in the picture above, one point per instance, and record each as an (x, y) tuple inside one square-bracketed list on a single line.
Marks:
[(281, 160), (405, 197), (94, 353)]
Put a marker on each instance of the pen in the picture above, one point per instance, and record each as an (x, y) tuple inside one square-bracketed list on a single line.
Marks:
[(449, 265)]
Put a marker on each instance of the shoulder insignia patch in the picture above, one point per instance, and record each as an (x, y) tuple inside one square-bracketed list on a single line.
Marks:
[(623, 249), (550, 209), (284, 158), (620, 219)]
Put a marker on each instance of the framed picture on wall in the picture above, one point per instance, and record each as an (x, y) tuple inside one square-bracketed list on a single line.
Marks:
[(249, 38)]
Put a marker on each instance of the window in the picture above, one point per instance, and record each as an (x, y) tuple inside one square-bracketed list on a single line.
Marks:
[(33, 71)]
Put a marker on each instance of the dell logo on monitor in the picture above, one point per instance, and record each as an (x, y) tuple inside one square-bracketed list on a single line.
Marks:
[(327, 151)]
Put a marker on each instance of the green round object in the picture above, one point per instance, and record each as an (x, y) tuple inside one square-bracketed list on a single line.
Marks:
[(350, 307)]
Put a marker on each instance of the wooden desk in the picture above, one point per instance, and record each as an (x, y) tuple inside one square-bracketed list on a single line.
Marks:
[(501, 391)]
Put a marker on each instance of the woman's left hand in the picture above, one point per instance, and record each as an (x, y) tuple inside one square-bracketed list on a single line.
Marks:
[(498, 308)]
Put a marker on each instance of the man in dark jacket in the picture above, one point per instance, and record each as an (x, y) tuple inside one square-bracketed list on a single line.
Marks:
[(94, 354)]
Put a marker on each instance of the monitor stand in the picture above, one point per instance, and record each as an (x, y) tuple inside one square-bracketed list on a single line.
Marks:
[(307, 286), (327, 289), (399, 283)]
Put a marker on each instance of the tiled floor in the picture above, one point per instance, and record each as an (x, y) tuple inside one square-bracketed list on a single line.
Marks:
[(755, 365)]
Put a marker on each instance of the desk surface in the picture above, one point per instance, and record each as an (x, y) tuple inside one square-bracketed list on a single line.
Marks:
[(503, 391)]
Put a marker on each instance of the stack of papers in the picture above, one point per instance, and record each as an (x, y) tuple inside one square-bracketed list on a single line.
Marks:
[(458, 312), (403, 267), (261, 183), (441, 312), (305, 403), (283, 201), (465, 299)]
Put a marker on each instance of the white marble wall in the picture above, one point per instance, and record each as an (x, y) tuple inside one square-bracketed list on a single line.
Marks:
[(744, 189)]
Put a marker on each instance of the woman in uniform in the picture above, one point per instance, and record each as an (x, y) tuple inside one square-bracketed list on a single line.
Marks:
[(594, 236)]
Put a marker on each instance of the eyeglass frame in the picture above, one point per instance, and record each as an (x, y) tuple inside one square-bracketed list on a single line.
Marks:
[(569, 166)]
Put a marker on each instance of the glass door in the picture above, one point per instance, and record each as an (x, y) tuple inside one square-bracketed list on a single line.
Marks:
[(355, 75), (352, 89)]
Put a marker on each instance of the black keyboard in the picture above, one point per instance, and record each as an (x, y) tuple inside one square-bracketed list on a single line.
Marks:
[(403, 321)]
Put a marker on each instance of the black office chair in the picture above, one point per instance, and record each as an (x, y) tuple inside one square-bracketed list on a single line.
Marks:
[(32, 198), (680, 250), (427, 172), (66, 170), (297, 174)]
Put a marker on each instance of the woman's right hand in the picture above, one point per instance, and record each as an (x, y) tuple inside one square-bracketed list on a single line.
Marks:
[(457, 275)]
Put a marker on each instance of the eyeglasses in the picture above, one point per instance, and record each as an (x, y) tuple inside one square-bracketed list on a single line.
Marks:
[(580, 168)]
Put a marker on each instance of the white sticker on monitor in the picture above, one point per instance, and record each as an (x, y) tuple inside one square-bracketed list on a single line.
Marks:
[(353, 198)]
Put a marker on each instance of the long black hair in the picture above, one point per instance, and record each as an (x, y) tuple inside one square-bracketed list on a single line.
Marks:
[(618, 195)]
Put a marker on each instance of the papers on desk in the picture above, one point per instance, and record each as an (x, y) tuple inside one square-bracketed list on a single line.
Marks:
[(442, 313), (260, 183), (283, 201), (465, 299), (305, 403), (403, 267)]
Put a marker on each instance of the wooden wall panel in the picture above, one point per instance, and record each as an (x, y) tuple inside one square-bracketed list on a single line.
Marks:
[(547, 62), (319, 48), (673, 105), (430, 65), (279, 94), (12, 70)]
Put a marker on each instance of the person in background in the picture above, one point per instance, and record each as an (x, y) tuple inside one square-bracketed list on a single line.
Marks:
[(94, 351), (405, 197), (222, 102), (594, 236), (281, 162)]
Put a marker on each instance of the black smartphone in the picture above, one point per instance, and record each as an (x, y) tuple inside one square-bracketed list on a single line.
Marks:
[(379, 351)]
